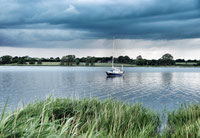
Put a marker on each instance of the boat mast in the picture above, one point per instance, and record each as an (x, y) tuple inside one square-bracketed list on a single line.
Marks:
[(113, 53)]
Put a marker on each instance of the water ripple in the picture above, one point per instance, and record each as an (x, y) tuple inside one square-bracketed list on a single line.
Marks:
[(154, 87)]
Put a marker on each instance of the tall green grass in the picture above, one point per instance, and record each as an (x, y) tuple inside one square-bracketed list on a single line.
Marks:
[(57, 117), (60, 117), (184, 122)]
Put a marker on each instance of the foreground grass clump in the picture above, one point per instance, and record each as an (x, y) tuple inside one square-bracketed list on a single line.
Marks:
[(80, 118), (184, 122)]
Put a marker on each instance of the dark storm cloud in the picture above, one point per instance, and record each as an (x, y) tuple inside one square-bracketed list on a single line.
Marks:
[(23, 22)]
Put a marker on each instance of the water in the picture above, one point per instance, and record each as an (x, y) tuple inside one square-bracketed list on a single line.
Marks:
[(157, 88)]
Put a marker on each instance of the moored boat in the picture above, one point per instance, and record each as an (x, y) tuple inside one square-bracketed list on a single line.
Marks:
[(114, 71)]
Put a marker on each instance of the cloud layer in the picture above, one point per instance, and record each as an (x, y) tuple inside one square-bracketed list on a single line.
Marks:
[(26, 23)]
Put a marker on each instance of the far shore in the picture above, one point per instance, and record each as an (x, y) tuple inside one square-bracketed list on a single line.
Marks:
[(98, 65)]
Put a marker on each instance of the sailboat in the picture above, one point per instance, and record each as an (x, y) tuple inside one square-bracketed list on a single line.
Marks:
[(114, 71)]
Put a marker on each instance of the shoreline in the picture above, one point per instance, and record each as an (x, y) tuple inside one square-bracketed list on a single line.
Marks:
[(99, 65)]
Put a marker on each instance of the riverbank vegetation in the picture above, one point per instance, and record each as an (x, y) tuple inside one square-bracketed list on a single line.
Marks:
[(60, 117), (80, 118), (184, 122), (72, 60)]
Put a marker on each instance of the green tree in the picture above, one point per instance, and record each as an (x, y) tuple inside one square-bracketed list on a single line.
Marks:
[(6, 59), (68, 60), (77, 61), (124, 59), (87, 62), (92, 61), (63, 60), (39, 62), (57, 59), (167, 59), (15, 59), (51, 59), (32, 61), (120, 59), (152, 62), (198, 63), (139, 57), (21, 61), (140, 61)]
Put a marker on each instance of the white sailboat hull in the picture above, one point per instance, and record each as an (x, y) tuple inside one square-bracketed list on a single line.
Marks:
[(115, 72)]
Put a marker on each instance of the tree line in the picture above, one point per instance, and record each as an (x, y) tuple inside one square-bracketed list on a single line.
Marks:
[(71, 60), (7, 59)]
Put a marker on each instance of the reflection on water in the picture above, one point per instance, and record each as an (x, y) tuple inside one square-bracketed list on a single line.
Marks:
[(154, 87), (167, 78), (116, 79)]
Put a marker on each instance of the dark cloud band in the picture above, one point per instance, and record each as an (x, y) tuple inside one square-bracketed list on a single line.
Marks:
[(24, 22)]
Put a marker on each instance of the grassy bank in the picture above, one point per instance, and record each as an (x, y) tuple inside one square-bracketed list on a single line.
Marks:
[(80, 118), (57, 117)]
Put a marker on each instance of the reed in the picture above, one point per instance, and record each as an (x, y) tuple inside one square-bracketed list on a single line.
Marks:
[(60, 117), (184, 122)]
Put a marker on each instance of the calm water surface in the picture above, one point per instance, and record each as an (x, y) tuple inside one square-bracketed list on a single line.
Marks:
[(154, 87)]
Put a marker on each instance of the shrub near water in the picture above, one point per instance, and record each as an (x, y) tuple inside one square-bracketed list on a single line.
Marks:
[(80, 118), (184, 122)]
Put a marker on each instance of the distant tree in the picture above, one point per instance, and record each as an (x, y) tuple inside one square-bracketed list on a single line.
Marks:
[(105, 59), (21, 61), (26, 58), (87, 62), (123, 59), (127, 59), (198, 63), (51, 59), (140, 61), (32, 61), (15, 59), (139, 57), (39, 62), (83, 59), (6, 59), (120, 59), (92, 61), (68, 60), (57, 59), (152, 62), (180, 60), (63, 60), (77, 62), (167, 59)]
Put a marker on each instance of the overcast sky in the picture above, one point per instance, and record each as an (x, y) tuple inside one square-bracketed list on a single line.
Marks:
[(45, 28)]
